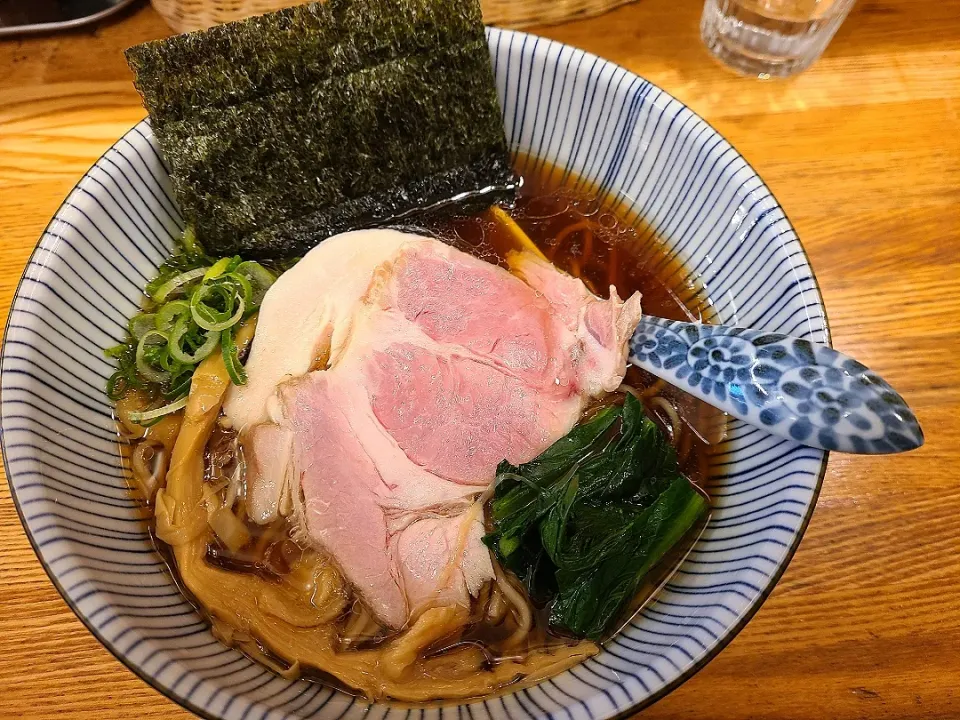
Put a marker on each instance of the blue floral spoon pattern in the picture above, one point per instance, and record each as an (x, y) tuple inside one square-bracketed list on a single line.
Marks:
[(789, 387)]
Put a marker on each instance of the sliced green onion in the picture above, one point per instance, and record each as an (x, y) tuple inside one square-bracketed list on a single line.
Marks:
[(167, 361), (189, 242), (151, 338), (167, 315), (180, 330), (141, 417), (175, 283), (260, 279), (209, 318), (116, 351), (217, 269), (214, 303), (245, 286), (230, 358), (117, 385), (197, 301), (180, 384), (141, 323)]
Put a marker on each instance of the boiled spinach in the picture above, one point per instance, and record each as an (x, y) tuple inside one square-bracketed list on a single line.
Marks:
[(584, 522)]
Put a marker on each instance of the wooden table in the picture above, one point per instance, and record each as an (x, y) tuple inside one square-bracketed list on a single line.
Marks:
[(862, 151)]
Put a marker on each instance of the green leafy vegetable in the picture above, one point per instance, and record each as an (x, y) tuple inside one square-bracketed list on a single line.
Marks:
[(194, 304), (585, 521)]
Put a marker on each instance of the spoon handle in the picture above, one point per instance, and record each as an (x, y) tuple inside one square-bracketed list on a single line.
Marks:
[(789, 387)]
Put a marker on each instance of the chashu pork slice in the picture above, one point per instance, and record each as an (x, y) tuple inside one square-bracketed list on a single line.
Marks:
[(357, 516), (406, 432), (306, 316), (439, 368), (603, 328)]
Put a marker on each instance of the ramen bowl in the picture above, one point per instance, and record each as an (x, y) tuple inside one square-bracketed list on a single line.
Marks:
[(613, 129)]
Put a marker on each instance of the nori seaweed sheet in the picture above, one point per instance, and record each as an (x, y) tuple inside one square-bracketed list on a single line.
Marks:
[(286, 128)]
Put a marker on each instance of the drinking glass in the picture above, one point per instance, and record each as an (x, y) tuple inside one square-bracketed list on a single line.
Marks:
[(770, 38)]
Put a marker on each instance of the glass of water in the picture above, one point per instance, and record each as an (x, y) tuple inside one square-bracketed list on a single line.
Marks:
[(770, 38)]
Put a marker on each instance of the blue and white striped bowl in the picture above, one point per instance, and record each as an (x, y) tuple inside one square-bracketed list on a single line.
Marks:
[(559, 103)]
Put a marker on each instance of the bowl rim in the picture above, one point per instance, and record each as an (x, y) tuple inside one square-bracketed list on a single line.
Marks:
[(730, 633)]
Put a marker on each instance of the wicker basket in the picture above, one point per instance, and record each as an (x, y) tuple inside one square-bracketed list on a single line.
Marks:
[(184, 15), (521, 13)]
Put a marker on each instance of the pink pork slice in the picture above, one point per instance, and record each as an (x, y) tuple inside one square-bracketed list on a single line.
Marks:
[(341, 488), (458, 417), (457, 298), (398, 560), (391, 554), (451, 366), (602, 327)]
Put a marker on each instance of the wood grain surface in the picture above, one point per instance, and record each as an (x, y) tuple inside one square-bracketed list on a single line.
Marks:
[(863, 151)]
